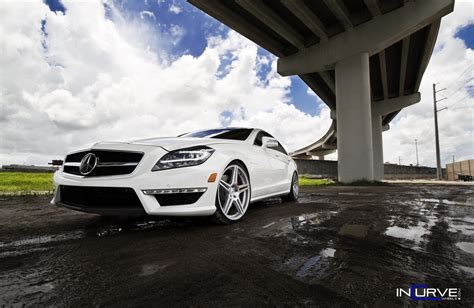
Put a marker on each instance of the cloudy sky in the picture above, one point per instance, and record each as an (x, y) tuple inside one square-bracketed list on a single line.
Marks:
[(76, 72)]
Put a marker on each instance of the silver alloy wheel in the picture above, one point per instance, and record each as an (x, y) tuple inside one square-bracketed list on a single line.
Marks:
[(295, 186), (233, 193)]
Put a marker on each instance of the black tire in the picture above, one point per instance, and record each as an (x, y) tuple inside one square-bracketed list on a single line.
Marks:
[(294, 189), (219, 216)]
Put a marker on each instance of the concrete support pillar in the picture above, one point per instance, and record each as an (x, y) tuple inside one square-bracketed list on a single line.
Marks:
[(354, 124), (377, 145), (321, 157)]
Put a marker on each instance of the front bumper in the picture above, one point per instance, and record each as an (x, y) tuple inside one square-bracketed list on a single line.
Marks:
[(144, 179)]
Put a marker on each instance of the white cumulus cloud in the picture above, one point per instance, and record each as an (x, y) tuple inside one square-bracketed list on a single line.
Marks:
[(147, 14), (175, 9), (78, 82)]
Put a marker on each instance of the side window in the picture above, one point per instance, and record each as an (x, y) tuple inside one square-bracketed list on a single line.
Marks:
[(280, 148), (258, 142), (258, 139)]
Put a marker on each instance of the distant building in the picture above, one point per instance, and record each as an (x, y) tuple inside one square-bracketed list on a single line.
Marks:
[(460, 168)]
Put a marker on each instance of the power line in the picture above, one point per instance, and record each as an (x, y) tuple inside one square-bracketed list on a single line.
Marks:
[(468, 95), (465, 107), (461, 87), (467, 69)]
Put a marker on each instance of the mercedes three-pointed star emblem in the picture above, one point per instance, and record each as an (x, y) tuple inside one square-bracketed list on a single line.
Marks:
[(88, 163)]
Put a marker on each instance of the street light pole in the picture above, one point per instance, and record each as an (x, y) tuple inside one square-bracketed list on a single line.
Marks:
[(416, 149)]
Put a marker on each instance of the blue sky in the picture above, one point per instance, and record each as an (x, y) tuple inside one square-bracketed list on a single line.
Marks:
[(199, 26), (467, 35)]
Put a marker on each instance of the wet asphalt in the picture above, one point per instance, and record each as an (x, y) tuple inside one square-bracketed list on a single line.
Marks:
[(337, 246)]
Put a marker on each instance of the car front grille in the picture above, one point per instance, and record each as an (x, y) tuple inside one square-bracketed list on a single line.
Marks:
[(96, 198), (109, 162)]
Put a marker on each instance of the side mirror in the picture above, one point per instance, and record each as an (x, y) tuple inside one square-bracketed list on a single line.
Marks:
[(268, 142)]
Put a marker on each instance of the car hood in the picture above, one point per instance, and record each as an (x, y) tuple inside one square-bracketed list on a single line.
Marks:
[(174, 143)]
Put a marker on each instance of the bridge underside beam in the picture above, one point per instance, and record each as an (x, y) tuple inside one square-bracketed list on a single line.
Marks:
[(372, 37)]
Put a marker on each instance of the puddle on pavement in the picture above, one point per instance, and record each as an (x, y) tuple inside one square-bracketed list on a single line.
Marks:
[(304, 222), (354, 230), (463, 228), (151, 269), (21, 252), (43, 239), (313, 199), (40, 288), (468, 219), (406, 229), (466, 246), (414, 233), (312, 267), (268, 225), (313, 219), (139, 225), (429, 200), (110, 230), (467, 269), (328, 252), (355, 194), (469, 201), (451, 202)]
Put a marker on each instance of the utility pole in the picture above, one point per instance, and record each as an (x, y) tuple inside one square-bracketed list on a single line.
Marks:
[(453, 159), (416, 148), (399, 160), (435, 110)]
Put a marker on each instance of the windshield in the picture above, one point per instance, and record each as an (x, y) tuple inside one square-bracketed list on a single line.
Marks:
[(224, 133)]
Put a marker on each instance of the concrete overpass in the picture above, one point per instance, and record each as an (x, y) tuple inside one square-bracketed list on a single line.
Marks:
[(363, 58), (326, 145)]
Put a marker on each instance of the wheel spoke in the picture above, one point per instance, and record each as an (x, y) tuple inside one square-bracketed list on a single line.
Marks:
[(228, 205), (235, 175), (239, 206), (224, 185), (242, 188)]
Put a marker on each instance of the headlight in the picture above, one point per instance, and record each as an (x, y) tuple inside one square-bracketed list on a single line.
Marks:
[(184, 158)]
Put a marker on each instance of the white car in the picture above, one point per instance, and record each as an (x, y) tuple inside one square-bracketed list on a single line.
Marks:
[(215, 172)]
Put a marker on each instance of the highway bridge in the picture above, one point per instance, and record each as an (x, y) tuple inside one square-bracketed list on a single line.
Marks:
[(364, 58)]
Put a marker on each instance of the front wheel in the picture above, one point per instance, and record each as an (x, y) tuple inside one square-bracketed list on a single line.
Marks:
[(293, 195), (233, 194)]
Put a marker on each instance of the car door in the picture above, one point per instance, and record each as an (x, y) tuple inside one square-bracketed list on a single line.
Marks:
[(279, 162), (261, 174), (276, 163)]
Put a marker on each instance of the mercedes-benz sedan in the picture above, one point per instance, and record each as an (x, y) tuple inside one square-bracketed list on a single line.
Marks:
[(216, 172)]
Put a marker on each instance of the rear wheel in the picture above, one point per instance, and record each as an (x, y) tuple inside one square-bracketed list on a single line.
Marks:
[(233, 194), (294, 190)]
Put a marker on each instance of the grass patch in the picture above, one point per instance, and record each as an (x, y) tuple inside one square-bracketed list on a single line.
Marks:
[(25, 181), (314, 182)]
